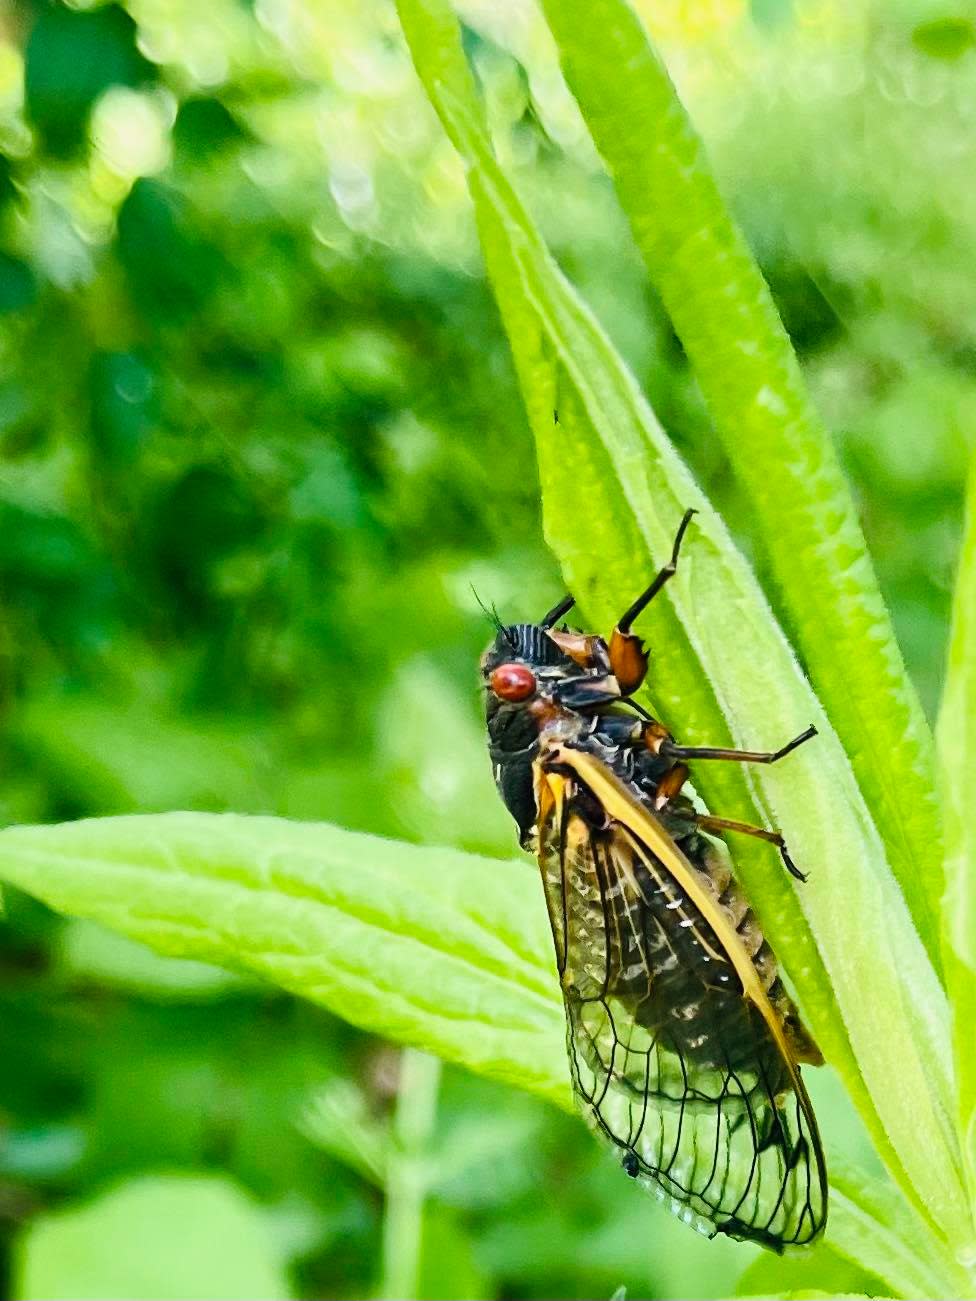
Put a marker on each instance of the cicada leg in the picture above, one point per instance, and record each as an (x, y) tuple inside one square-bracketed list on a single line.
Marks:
[(556, 613), (628, 658), (673, 751), (708, 823), (624, 662), (670, 785), (670, 750)]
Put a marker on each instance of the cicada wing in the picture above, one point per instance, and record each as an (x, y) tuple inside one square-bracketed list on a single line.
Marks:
[(679, 1062)]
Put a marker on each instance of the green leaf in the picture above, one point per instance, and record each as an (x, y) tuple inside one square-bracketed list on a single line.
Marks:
[(872, 1240), (339, 1119), (430, 947), (85, 952), (803, 510), (957, 752), (811, 1294), (819, 1267), (871, 1226), (427, 946), (149, 1239), (608, 463)]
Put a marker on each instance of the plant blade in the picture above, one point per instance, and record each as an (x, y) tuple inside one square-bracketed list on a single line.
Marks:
[(957, 752), (323, 913), (872, 1226), (804, 513)]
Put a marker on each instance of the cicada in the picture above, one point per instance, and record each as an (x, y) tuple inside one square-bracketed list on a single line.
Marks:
[(684, 1047)]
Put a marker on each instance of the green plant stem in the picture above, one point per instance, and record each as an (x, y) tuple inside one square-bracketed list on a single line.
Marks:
[(406, 1178), (803, 510)]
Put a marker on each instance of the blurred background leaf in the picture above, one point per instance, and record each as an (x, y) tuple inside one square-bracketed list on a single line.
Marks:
[(172, 1225)]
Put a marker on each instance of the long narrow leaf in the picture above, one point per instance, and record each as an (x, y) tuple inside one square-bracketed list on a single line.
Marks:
[(957, 751), (850, 923), (871, 1226), (804, 513), (871, 1233)]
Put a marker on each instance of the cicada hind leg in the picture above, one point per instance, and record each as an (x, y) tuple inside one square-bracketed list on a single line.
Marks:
[(679, 753)]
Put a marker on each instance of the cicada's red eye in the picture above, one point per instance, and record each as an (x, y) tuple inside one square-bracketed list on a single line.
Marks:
[(513, 682)]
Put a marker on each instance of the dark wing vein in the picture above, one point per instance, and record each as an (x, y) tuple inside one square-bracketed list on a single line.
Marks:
[(673, 1064)]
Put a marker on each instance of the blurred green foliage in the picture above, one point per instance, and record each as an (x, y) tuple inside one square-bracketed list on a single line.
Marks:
[(259, 437)]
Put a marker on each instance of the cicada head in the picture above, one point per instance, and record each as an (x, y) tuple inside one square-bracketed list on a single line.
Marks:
[(535, 677), (521, 671), (522, 660)]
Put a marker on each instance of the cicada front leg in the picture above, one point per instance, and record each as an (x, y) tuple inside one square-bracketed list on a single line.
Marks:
[(628, 658)]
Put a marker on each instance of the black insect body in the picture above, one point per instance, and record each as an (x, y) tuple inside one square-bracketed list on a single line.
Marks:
[(684, 1046)]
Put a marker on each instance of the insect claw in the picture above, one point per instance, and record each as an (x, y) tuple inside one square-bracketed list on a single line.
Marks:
[(791, 867)]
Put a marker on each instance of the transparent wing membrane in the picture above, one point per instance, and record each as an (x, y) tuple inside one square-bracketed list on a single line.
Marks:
[(674, 1063)]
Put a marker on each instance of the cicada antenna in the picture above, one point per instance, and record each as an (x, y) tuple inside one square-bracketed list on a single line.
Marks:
[(493, 617), (490, 614)]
